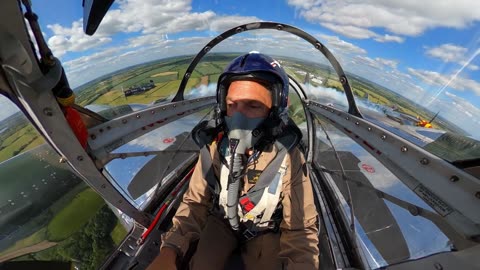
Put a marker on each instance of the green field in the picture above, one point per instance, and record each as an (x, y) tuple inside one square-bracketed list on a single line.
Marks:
[(74, 216)]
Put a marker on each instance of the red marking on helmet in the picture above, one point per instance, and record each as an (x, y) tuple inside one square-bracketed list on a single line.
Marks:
[(368, 168), (169, 140)]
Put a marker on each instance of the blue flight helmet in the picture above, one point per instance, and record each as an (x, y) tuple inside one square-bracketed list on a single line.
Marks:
[(262, 69)]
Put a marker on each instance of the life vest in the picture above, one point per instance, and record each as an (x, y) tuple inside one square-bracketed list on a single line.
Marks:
[(257, 207)]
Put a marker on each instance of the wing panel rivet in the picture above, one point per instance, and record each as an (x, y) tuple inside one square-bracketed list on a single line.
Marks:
[(124, 121), (357, 123), (424, 161), (347, 118), (80, 158), (137, 116), (47, 111), (152, 111), (369, 129), (404, 149), (454, 178), (383, 137)]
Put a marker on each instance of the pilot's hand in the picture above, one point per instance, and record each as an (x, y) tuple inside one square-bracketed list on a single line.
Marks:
[(165, 261)]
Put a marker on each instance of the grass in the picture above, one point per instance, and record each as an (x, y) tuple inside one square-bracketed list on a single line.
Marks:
[(31, 240), (118, 233), (71, 218)]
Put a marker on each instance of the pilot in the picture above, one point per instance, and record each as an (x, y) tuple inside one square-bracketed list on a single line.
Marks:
[(250, 193)]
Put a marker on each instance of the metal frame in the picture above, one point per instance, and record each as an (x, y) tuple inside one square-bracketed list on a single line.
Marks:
[(451, 192), (106, 137), (38, 101), (352, 107)]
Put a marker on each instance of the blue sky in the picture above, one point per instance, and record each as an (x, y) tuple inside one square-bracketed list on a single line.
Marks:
[(413, 47)]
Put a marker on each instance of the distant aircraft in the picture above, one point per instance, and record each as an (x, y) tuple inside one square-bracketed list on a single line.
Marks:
[(372, 188)]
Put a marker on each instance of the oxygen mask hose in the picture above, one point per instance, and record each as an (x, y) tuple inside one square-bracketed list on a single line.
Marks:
[(240, 136), (234, 181)]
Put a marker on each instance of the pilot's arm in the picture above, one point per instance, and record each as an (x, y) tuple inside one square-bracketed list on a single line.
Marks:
[(299, 238), (188, 222)]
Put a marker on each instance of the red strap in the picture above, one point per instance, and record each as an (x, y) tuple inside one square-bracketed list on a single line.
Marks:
[(247, 205), (77, 125)]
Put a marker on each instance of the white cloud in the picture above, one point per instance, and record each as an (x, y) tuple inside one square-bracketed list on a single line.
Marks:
[(345, 47), (450, 53), (388, 38), (73, 39), (386, 62), (399, 17), (436, 79)]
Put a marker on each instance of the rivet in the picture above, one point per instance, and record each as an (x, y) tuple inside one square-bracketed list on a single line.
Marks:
[(187, 75), (206, 49), (424, 161), (62, 160), (164, 108), (239, 29), (347, 118), (279, 27), (477, 194), (383, 137), (332, 111), (404, 149), (109, 127), (318, 45), (124, 121), (93, 137), (454, 178), (343, 80), (369, 129), (123, 156), (100, 130), (152, 111), (357, 123), (174, 105), (137, 116), (103, 186), (47, 111), (80, 158)]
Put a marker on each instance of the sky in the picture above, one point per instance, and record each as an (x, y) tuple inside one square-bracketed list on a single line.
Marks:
[(425, 50)]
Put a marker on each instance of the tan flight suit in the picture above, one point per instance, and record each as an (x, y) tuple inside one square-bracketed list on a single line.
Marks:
[(294, 247)]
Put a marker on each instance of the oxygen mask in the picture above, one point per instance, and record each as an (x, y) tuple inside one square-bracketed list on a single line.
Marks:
[(242, 132)]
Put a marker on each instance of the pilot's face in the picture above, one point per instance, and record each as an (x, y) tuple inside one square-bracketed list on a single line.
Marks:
[(249, 98)]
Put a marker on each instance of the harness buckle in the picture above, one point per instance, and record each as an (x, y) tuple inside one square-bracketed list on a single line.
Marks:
[(248, 235)]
